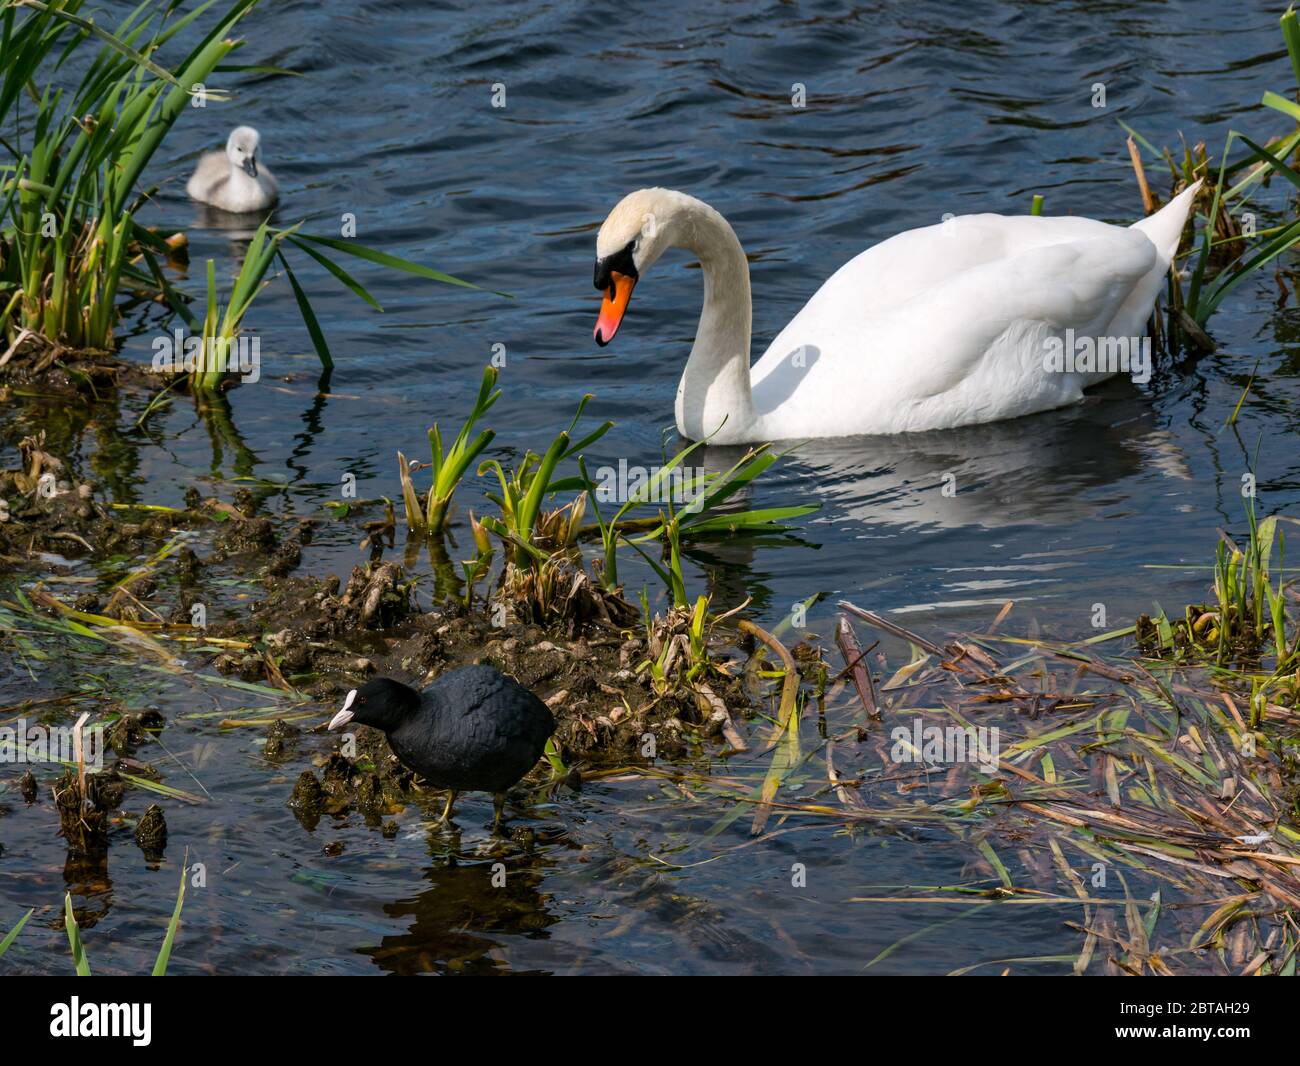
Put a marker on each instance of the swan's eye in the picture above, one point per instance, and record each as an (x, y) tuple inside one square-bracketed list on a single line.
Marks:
[(620, 262)]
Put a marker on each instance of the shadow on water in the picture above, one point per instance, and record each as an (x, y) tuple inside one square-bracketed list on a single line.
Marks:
[(460, 923), (1043, 469)]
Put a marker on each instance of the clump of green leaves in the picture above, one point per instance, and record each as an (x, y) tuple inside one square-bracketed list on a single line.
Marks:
[(449, 465), (1247, 619), (529, 534), (699, 514), (1251, 612)]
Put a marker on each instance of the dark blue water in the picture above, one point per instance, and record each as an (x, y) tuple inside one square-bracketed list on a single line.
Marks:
[(913, 111)]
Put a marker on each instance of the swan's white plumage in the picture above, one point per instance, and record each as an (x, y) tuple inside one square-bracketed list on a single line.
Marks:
[(221, 179), (947, 326), (931, 329)]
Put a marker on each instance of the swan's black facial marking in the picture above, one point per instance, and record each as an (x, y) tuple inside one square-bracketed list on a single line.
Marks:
[(621, 262)]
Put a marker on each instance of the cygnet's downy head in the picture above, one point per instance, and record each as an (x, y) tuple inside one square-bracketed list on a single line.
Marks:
[(243, 147), (382, 704)]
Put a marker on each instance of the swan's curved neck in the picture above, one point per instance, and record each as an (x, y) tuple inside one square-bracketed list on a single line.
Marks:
[(715, 389)]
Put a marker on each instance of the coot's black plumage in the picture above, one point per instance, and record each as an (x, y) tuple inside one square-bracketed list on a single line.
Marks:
[(472, 730)]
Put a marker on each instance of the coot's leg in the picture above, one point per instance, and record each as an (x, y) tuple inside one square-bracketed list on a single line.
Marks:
[(498, 807), (446, 811)]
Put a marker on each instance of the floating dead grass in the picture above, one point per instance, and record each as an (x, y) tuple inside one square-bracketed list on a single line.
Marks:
[(1141, 777), (1151, 802)]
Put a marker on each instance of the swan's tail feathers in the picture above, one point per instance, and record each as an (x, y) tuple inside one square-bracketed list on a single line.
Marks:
[(1165, 227)]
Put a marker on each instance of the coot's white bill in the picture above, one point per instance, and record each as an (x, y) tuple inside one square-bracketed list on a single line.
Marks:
[(345, 715)]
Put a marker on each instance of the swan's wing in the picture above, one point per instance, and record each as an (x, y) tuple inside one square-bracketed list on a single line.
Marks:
[(886, 275), (1018, 302), (970, 348), (878, 281)]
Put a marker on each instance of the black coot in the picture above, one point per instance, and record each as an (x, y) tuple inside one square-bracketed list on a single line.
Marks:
[(472, 730)]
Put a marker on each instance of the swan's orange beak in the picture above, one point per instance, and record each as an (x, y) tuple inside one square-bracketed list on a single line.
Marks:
[(613, 306)]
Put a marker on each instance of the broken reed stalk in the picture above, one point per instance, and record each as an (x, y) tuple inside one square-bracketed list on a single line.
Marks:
[(790, 684), (79, 753), (853, 655), (1148, 204), (894, 629), (786, 718)]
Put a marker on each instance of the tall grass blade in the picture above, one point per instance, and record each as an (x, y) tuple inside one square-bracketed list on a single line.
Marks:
[(165, 952), (12, 935), (79, 960)]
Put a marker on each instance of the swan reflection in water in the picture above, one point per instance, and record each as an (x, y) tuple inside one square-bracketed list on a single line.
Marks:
[(1056, 470)]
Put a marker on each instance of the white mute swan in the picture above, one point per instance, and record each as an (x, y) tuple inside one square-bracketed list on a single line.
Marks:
[(233, 180), (979, 318)]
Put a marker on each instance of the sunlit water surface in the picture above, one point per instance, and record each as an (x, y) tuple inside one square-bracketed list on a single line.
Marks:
[(914, 111)]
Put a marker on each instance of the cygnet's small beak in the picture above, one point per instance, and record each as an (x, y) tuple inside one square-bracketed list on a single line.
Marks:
[(345, 715), (613, 306), (250, 167)]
